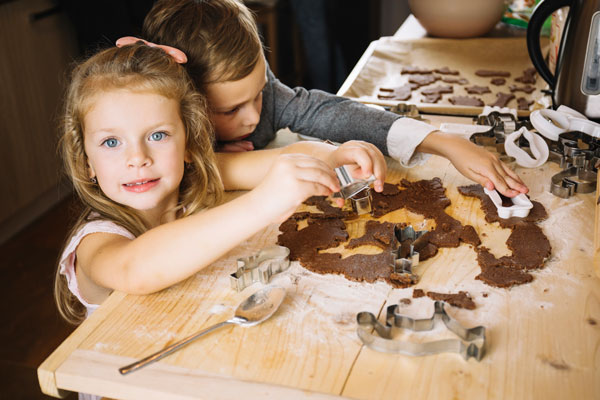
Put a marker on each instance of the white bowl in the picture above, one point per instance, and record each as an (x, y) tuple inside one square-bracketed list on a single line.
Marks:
[(457, 18)]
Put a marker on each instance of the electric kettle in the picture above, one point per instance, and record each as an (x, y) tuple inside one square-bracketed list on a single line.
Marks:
[(576, 82)]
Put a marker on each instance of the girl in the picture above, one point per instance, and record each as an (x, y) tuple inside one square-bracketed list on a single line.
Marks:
[(137, 144)]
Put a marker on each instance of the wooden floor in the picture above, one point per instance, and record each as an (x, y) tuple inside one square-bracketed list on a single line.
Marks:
[(32, 327)]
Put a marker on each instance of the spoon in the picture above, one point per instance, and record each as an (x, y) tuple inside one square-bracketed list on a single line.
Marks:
[(252, 311)]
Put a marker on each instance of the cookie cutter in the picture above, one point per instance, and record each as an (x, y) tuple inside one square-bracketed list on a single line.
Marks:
[(260, 267), (406, 110), (501, 124), (469, 342), (578, 154), (520, 204), (572, 180), (409, 244), (357, 190)]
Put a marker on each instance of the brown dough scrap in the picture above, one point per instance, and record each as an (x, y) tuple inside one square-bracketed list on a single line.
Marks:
[(498, 81), (523, 103), (477, 89), (526, 89), (320, 234), (423, 80), (445, 71), (502, 99), (415, 70), (397, 93), (329, 211), (486, 73), (469, 235), (461, 299), (418, 293), (460, 81), (503, 277), (528, 76), (380, 234), (495, 274), (466, 101)]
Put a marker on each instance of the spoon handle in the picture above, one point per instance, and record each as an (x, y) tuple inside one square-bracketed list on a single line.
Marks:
[(169, 349)]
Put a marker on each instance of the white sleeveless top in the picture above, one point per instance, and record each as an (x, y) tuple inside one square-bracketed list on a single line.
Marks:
[(68, 257)]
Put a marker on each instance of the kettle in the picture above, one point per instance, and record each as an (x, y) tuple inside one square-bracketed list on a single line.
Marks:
[(576, 82)]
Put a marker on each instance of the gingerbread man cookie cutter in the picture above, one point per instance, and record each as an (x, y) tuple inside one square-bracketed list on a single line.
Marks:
[(357, 190), (260, 267), (470, 342)]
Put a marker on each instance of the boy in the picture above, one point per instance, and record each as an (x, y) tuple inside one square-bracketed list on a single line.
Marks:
[(249, 105)]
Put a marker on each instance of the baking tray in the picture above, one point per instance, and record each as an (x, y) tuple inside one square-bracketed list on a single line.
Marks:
[(384, 59)]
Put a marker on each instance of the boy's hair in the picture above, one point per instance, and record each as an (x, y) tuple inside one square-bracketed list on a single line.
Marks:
[(138, 68), (219, 37)]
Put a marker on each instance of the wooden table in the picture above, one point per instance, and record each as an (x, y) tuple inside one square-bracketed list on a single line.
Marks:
[(543, 337)]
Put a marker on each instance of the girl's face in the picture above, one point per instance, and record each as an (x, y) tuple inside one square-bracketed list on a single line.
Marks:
[(236, 105), (135, 144)]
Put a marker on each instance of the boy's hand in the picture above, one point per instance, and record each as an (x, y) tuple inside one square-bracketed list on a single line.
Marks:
[(365, 156), (475, 163), (292, 179)]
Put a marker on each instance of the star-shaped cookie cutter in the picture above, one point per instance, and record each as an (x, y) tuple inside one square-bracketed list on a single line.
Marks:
[(469, 342), (260, 267)]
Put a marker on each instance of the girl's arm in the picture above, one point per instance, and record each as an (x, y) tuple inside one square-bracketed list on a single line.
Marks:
[(245, 170)]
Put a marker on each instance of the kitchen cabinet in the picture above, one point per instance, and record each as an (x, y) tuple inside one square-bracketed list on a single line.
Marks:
[(37, 44)]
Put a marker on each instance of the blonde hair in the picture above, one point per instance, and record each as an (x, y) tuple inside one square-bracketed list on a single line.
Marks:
[(219, 37), (138, 68)]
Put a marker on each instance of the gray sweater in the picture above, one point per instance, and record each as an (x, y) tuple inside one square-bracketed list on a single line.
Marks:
[(318, 114)]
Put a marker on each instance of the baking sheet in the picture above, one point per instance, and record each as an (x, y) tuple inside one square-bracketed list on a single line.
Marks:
[(382, 63)]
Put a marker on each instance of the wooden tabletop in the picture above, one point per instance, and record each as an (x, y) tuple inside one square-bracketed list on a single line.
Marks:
[(543, 337)]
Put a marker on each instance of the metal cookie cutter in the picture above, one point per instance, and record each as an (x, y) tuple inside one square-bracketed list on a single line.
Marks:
[(502, 124), (470, 342), (520, 205), (578, 153), (260, 267), (357, 190), (407, 255)]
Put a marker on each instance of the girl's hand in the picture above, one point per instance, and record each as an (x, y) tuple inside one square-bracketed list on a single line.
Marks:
[(475, 163), (365, 156), (292, 179)]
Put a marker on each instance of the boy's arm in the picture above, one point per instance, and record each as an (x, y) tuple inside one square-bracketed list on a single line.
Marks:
[(325, 116)]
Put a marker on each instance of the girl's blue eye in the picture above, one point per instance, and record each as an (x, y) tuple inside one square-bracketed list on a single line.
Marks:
[(111, 142), (156, 136)]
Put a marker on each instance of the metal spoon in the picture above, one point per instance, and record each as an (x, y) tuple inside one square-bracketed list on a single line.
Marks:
[(252, 311)]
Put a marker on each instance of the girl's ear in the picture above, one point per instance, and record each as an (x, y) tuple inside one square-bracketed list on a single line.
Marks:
[(187, 157), (91, 172)]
